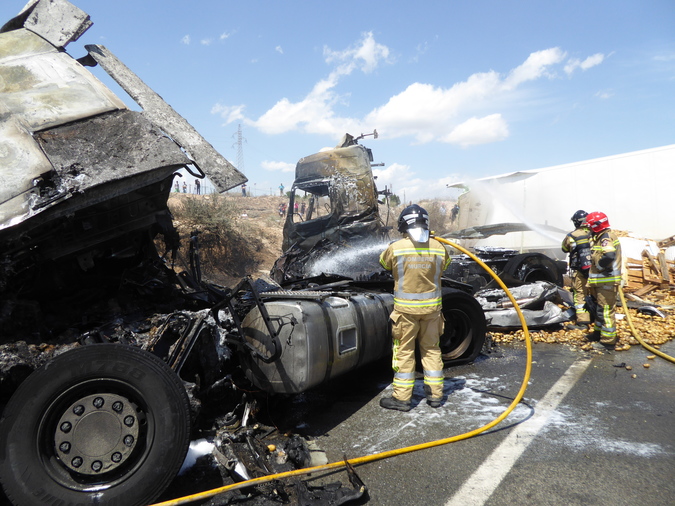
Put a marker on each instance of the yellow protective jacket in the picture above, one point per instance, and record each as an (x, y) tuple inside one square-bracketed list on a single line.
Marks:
[(605, 259), (417, 270)]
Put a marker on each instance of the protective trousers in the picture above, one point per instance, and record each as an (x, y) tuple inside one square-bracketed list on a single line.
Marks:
[(426, 329), (580, 291), (605, 321)]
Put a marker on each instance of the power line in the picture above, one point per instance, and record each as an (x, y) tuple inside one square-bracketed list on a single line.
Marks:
[(240, 150)]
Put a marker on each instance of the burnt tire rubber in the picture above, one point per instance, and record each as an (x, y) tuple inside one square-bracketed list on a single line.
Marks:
[(465, 327), (99, 424), (531, 267)]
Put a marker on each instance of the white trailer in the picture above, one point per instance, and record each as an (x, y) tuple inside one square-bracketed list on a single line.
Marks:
[(634, 190)]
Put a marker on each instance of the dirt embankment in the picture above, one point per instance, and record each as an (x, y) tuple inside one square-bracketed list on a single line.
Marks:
[(238, 235)]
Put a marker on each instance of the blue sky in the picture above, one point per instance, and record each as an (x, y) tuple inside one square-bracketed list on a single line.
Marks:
[(456, 89)]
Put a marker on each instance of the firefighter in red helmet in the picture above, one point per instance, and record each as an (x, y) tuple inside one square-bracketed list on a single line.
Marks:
[(604, 278), (417, 263)]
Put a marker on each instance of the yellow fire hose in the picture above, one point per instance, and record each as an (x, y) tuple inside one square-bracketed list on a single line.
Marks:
[(636, 334), (392, 453)]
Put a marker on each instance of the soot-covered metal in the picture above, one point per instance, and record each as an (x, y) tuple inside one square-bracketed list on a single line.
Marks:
[(111, 361)]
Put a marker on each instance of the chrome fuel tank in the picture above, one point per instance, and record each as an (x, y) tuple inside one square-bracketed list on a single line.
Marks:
[(320, 339)]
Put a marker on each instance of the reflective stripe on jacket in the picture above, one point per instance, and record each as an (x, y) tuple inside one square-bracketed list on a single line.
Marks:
[(417, 270), (605, 259)]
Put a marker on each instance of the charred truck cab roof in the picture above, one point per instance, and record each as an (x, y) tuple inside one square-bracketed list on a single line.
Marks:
[(83, 177), (341, 202), (342, 196)]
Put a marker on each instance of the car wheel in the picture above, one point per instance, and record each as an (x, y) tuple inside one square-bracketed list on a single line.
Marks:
[(100, 424), (465, 327)]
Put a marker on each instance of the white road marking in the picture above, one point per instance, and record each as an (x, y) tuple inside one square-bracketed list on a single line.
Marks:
[(483, 482)]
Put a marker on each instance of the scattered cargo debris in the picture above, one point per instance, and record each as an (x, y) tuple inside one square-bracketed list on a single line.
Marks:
[(540, 303), (649, 273)]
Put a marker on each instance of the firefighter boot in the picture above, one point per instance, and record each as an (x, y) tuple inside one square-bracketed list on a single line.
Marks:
[(391, 403), (434, 402), (593, 336)]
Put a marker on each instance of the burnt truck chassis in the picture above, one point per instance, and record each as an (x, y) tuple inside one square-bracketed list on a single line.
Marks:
[(512, 267), (110, 359), (111, 415)]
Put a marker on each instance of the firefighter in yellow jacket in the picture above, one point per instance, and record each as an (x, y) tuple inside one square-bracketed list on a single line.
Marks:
[(417, 263), (578, 244), (604, 278)]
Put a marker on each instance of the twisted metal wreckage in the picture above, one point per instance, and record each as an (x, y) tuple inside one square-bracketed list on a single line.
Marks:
[(111, 361)]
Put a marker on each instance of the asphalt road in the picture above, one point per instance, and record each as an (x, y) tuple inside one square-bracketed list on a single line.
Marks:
[(586, 432)]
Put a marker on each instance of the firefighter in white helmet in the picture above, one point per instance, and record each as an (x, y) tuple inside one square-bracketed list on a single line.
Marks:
[(417, 263)]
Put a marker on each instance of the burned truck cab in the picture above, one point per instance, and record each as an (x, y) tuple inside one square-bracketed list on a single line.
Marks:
[(337, 188), (90, 415), (339, 192)]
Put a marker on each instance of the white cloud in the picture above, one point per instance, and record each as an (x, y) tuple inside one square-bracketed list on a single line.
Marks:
[(466, 113), (590, 62), (366, 55), (404, 183), (604, 94), (185, 40), (476, 131), (398, 178), (206, 42), (279, 50), (419, 51), (225, 35), (536, 66), (277, 166), (229, 113), (315, 114)]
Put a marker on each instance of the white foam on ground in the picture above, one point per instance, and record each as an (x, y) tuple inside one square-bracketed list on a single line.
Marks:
[(581, 431), (470, 402)]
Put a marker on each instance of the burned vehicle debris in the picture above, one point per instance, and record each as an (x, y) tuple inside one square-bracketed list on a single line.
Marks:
[(512, 266), (111, 359), (342, 212), (339, 240), (342, 231)]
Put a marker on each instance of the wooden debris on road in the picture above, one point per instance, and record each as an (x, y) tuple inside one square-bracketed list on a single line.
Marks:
[(649, 273)]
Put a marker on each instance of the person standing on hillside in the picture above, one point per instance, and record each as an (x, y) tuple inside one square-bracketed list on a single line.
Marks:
[(197, 187), (578, 244), (281, 190), (604, 278), (417, 263)]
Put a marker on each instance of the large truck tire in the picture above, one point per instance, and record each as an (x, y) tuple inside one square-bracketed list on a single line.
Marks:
[(465, 328), (100, 424), (531, 267)]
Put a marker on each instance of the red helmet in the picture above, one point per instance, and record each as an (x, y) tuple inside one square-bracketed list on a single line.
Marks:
[(597, 221)]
